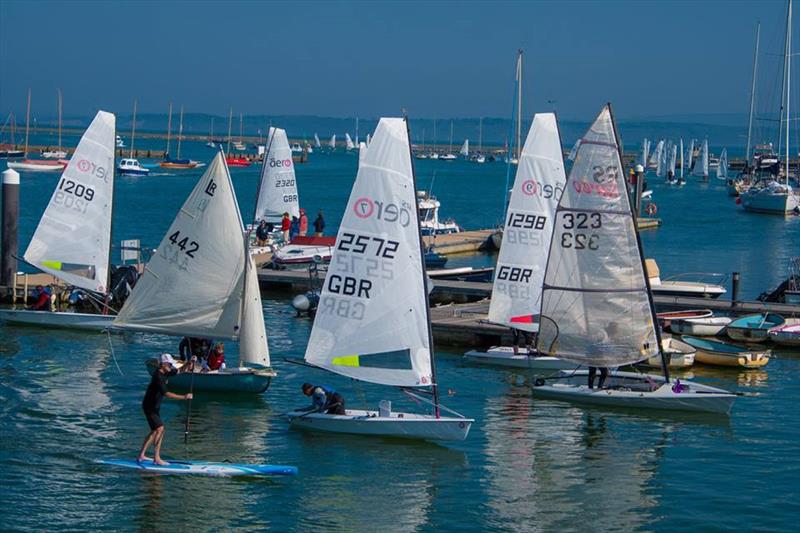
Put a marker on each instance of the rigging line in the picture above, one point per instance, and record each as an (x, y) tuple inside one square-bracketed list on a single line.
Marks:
[(113, 355)]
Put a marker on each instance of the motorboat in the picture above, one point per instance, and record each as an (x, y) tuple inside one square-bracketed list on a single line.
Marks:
[(771, 197), (304, 250), (237, 161), (754, 328), (429, 216), (119, 142), (55, 154), (130, 167), (677, 287), (718, 353), (666, 318)]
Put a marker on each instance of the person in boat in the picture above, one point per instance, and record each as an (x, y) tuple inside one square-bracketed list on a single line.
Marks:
[(190, 346), (303, 223), (294, 228), (151, 405), (262, 233), (323, 400), (319, 225), (42, 302), (216, 359), (286, 225), (527, 338)]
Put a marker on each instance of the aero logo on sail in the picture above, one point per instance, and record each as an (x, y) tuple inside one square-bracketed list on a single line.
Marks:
[(84, 165), (534, 188), (388, 212), (280, 162)]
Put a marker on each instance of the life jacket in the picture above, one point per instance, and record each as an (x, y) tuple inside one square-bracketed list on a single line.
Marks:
[(329, 392)]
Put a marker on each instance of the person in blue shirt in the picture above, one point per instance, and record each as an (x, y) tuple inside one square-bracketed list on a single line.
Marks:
[(323, 399)]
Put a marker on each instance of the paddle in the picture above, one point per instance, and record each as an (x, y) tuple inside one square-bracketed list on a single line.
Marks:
[(189, 407)]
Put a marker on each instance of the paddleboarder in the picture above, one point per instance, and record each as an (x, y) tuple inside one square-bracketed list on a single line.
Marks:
[(151, 405)]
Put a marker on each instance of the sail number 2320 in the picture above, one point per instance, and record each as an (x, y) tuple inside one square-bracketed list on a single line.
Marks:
[(573, 237)]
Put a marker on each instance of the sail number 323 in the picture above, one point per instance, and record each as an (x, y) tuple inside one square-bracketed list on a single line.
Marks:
[(578, 228)]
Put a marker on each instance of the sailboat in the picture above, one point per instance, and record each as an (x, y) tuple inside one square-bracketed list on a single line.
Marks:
[(434, 154), (348, 142), (722, 168), (776, 195), (672, 159), (202, 283), (373, 324), (449, 156), (34, 165), (60, 153), (465, 149), (597, 308), (9, 150), (479, 157), (277, 190), (517, 289), (332, 143), (317, 144), (701, 165), (129, 166), (73, 239), (176, 163), (210, 143), (231, 159), (681, 181)]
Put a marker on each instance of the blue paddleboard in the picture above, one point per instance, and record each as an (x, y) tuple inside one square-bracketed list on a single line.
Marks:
[(204, 468)]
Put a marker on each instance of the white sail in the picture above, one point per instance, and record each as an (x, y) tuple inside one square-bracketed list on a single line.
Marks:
[(371, 322), (539, 184), (645, 151), (595, 302), (574, 151), (317, 144), (193, 284), (690, 156), (362, 151), (682, 160), (661, 163), (722, 169), (277, 193), (369, 140), (73, 239), (701, 166), (253, 346), (656, 155), (348, 142), (673, 159), (465, 148), (332, 142)]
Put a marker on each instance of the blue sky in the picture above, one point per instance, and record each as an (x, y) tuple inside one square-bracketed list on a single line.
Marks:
[(436, 59)]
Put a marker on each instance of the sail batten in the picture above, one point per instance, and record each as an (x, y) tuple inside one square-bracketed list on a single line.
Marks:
[(595, 303)]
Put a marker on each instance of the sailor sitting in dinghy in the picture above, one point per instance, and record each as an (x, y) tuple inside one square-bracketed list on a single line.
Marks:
[(323, 399)]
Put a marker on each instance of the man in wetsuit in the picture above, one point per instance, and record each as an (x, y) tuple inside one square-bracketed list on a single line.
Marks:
[(324, 399), (151, 405)]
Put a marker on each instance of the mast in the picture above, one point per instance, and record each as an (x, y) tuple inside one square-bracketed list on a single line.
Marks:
[(133, 127), (681, 158), (169, 127), (211, 132), (433, 144), (356, 131), (788, 60), (752, 96), (111, 220), (230, 123), (27, 123), (517, 148), (180, 132), (480, 135), (59, 119), (450, 150), (434, 383), (664, 365), (241, 127)]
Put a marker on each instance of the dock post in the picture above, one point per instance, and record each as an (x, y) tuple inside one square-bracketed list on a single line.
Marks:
[(735, 288), (10, 231), (638, 191)]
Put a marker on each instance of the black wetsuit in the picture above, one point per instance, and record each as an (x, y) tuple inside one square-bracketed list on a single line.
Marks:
[(156, 390)]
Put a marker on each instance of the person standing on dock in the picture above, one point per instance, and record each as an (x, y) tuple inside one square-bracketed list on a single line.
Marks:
[(303, 223), (151, 405), (262, 233), (286, 224), (319, 225)]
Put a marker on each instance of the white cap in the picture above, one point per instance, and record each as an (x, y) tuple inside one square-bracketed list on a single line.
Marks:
[(639, 168), (167, 358)]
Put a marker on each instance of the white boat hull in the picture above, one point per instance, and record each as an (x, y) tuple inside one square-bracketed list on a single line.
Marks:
[(765, 201), (504, 356), (631, 390), (82, 321), (688, 288), (35, 167), (700, 327), (400, 425)]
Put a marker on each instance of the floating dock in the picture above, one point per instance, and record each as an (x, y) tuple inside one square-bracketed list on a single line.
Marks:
[(464, 242)]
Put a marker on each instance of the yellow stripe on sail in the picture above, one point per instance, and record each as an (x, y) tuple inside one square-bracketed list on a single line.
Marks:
[(345, 360), (55, 265)]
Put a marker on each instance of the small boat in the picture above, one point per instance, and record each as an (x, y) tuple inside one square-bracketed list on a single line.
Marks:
[(398, 351), (703, 327), (119, 142), (596, 309), (678, 354), (675, 287), (718, 353), (37, 165), (305, 250), (666, 318), (176, 163), (429, 215), (237, 161), (447, 157), (786, 335), (131, 167), (754, 328), (55, 154), (504, 356)]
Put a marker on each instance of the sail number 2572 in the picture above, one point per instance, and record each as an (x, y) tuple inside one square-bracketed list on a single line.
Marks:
[(574, 237)]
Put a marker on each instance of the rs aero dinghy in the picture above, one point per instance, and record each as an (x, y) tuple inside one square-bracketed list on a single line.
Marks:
[(373, 322), (597, 309)]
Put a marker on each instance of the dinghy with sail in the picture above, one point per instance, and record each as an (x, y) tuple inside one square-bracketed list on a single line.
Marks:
[(597, 309), (277, 190), (701, 166), (373, 322), (202, 283), (73, 239), (517, 288)]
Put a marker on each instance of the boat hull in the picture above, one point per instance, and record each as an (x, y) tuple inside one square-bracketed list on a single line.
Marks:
[(753, 328), (246, 380), (400, 425), (717, 353), (788, 335), (44, 166), (631, 390), (504, 356), (81, 321), (702, 327)]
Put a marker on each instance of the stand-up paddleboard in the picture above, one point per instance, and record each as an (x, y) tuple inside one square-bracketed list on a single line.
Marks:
[(204, 468)]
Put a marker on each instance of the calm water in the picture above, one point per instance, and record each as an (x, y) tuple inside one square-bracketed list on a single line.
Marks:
[(526, 465)]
